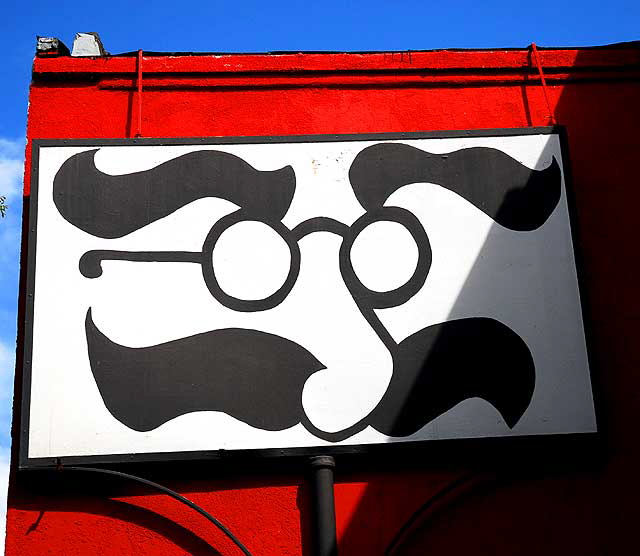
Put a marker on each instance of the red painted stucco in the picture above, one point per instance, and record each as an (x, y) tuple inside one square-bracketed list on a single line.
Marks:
[(585, 505)]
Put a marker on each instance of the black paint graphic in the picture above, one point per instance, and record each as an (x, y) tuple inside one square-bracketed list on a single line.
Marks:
[(258, 377), (442, 365), (379, 300), (114, 206), (91, 262), (512, 194), (253, 376), (445, 364), (209, 273)]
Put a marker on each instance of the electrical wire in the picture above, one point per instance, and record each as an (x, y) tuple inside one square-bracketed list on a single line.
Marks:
[(166, 491), (411, 522)]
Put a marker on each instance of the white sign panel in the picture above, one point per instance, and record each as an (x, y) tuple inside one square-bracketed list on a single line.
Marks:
[(295, 292)]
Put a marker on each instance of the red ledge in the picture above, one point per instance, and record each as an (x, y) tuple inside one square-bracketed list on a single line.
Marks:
[(442, 60)]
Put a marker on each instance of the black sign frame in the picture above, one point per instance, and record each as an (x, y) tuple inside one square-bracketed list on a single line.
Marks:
[(387, 452)]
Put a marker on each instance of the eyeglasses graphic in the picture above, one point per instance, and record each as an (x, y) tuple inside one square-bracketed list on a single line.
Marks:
[(91, 262)]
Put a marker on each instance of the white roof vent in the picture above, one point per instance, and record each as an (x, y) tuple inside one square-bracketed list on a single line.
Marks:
[(88, 44)]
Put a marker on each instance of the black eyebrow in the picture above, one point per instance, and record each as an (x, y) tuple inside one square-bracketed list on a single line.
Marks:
[(112, 206), (514, 195)]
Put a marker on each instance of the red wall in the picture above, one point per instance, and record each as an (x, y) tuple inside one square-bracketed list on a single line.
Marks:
[(551, 501)]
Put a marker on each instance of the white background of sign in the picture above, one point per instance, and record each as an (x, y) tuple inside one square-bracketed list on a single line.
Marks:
[(526, 280)]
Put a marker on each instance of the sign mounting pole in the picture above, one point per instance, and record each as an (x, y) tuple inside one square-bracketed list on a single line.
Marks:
[(324, 511)]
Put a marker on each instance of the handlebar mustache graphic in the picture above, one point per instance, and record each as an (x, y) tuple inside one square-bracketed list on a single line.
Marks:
[(113, 206), (258, 377), (110, 207), (254, 376), (513, 195)]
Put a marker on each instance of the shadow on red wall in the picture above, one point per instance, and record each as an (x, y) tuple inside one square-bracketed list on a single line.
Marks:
[(555, 497)]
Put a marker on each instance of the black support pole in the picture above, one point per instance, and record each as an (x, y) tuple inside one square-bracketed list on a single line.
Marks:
[(324, 510)]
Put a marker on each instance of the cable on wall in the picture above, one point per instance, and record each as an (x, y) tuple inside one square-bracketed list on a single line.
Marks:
[(163, 489), (411, 523)]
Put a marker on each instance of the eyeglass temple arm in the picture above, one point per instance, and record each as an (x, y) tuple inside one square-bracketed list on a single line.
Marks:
[(91, 262)]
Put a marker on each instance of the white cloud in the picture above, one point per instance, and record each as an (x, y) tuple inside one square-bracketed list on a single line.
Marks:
[(10, 239), (7, 359), (10, 177), (7, 364), (4, 486), (11, 173), (10, 185), (11, 167), (10, 148)]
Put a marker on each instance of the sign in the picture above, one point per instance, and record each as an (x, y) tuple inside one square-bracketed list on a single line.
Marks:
[(196, 295)]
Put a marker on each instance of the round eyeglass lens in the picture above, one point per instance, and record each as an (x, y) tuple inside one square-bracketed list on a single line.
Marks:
[(384, 256), (251, 260)]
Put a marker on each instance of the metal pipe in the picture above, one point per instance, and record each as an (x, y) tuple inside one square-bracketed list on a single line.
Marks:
[(324, 510), (139, 83)]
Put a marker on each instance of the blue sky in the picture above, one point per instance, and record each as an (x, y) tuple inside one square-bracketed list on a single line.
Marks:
[(251, 26)]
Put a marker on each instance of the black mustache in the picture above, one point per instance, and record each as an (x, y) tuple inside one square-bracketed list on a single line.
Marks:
[(512, 194), (113, 206), (258, 377), (443, 365), (254, 376)]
